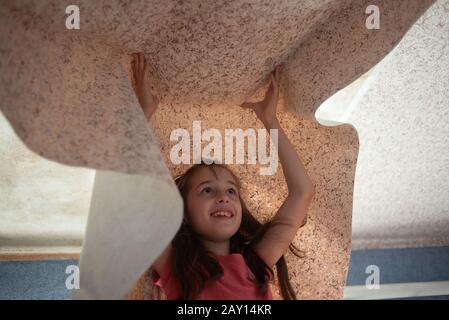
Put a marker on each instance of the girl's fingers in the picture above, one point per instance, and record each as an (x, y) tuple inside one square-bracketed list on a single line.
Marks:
[(273, 80), (143, 62), (278, 72), (279, 69), (248, 105), (133, 60), (136, 63), (145, 68), (133, 66), (137, 66), (139, 62)]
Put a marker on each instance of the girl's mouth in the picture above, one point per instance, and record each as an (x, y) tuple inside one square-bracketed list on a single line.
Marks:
[(222, 214)]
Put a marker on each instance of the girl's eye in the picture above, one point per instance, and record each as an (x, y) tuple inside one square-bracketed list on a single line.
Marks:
[(232, 191), (207, 189)]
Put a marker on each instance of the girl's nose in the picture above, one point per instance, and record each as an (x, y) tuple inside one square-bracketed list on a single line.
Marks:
[(223, 197)]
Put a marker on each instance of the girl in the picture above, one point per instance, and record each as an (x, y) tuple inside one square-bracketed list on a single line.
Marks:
[(221, 251)]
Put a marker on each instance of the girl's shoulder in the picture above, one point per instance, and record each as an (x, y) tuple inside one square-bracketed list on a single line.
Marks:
[(162, 262)]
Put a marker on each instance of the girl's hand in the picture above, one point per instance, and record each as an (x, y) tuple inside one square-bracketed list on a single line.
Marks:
[(266, 109), (147, 100)]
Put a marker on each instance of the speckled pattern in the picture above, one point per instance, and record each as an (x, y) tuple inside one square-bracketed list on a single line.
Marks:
[(346, 51), (403, 126), (68, 96)]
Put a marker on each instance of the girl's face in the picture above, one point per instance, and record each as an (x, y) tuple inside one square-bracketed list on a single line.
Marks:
[(209, 194)]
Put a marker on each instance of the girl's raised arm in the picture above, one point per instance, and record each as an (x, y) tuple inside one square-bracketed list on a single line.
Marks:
[(147, 100), (149, 104), (290, 216)]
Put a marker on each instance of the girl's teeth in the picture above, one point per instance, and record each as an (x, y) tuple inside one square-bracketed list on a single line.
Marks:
[(221, 214)]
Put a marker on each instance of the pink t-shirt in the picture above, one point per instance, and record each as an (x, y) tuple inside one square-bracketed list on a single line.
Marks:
[(235, 284)]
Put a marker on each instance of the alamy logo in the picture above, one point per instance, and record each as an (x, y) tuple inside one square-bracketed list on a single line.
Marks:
[(73, 20), (373, 20), (256, 142), (373, 280), (73, 280)]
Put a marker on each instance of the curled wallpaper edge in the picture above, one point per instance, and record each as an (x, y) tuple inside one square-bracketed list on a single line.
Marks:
[(347, 50), (122, 239)]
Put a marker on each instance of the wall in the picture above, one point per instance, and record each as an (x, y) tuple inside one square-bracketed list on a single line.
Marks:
[(45, 279)]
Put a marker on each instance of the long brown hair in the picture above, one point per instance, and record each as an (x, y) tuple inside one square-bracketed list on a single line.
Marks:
[(194, 267)]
